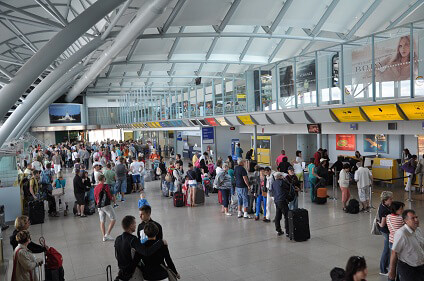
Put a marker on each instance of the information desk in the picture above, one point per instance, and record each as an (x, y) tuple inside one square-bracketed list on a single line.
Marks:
[(385, 168)]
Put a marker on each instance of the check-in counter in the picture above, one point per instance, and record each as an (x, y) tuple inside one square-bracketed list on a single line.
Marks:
[(385, 168)]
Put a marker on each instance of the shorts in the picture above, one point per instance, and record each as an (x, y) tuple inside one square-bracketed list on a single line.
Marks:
[(106, 210), (136, 178), (299, 176), (243, 198), (364, 193), (121, 185)]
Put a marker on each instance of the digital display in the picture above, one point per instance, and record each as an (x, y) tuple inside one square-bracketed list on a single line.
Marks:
[(314, 128)]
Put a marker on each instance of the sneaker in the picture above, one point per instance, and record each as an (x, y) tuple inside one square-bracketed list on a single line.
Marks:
[(247, 217), (108, 238), (122, 200), (266, 220), (228, 214), (115, 205), (384, 274), (279, 233), (256, 218)]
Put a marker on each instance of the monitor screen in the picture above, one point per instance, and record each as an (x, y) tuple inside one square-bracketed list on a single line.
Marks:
[(314, 128)]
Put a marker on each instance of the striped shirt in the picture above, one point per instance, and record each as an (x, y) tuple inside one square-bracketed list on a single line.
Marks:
[(394, 222)]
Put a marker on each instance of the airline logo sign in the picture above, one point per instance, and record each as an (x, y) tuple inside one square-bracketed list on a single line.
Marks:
[(222, 121), (413, 110), (382, 112), (349, 114), (211, 121), (246, 120)]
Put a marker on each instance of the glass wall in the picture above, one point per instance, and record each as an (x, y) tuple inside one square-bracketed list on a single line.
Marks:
[(286, 91), (328, 76)]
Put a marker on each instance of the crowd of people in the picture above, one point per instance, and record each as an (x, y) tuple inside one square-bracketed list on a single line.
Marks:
[(243, 187)]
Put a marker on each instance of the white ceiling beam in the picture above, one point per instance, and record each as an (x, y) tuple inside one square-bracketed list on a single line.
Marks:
[(6, 72), (279, 16), (363, 18), (212, 46), (132, 49), (50, 12), (56, 11), (172, 16), (406, 13), (328, 10), (279, 45), (167, 76), (248, 43), (175, 44), (228, 16), (30, 15), (139, 62)]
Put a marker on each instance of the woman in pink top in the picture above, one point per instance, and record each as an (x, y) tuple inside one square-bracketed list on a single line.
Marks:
[(394, 221)]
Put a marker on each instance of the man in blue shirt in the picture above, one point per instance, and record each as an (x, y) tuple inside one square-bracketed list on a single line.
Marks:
[(242, 187), (239, 151)]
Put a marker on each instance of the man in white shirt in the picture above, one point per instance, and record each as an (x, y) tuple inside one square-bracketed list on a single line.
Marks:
[(363, 177), (408, 250), (97, 172), (36, 165), (137, 169)]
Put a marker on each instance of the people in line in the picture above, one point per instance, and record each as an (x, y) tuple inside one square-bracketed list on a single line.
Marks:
[(242, 187), (344, 180), (383, 210), (295, 183), (364, 179), (410, 167), (420, 172), (280, 189), (80, 188), (224, 183)]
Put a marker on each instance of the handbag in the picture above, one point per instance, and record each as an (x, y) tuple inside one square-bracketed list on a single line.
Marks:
[(374, 228), (57, 191), (158, 171), (171, 275)]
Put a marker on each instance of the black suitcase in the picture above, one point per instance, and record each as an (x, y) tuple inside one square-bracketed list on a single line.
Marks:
[(178, 199), (129, 184), (299, 225), (36, 211)]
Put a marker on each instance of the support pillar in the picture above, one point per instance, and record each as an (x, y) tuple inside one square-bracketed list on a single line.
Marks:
[(319, 141), (255, 143)]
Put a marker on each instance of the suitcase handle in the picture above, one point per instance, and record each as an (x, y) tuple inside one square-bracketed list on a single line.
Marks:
[(109, 273)]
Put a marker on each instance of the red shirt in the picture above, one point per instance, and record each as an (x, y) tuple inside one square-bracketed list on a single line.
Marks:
[(98, 189), (317, 157), (280, 159)]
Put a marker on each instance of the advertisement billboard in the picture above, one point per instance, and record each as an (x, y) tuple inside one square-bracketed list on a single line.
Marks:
[(64, 113), (376, 143), (346, 142)]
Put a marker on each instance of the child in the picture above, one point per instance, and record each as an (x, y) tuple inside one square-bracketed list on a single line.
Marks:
[(142, 201)]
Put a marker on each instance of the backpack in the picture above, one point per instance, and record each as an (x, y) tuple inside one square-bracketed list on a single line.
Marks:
[(54, 259), (352, 207), (103, 199), (291, 195), (45, 177)]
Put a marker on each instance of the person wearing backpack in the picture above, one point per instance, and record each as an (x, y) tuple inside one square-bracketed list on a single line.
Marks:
[(344, 179), (295, 183), (281, 191), (103, 198), (46, 189)]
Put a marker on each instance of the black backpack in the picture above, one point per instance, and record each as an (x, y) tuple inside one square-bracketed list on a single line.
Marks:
[(352, 207), (103, 199), (291, 195)]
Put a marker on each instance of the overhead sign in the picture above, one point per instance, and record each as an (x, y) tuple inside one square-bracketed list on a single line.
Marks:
[(413, 110), (179, 136), (246, 119), (157, 124), (382, 112), (346, 142), (222, 121), (348, 114), (212, 121), (208, 135)]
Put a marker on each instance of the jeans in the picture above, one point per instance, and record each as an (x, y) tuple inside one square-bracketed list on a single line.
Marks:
[(259, 200), (385, 255), (225, 197), (281, 209), (121, 185), (294, 204), (86, 163), (312, 183), (410, 273), (243, 198)]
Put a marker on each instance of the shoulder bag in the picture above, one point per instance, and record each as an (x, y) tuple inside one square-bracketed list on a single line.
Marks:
[(171, 275), (58, 191), (374, 228)]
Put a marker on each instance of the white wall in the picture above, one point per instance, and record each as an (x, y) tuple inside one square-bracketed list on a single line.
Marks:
[(102, 101), (223, 139)]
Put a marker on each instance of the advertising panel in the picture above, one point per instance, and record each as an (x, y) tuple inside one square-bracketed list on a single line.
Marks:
[(346, 142), (392, 58), (286, 81), (208, 135), (376, 143), (305, 77), (64, 113), (382, 112)]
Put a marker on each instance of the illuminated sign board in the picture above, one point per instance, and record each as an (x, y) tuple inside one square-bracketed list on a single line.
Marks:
[(348, 114), (382, 112), (222, 121), (413, 110), (212, 122), (246, 120)]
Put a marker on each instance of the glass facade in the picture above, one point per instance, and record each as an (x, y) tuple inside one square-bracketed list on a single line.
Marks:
[(369, 69)]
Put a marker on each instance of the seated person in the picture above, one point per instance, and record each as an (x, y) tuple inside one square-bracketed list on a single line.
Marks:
[(145, 213), (142, 201), (124, 246), (154, 263)]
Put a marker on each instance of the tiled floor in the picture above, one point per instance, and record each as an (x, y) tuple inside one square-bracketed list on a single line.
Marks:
[(207, 245)]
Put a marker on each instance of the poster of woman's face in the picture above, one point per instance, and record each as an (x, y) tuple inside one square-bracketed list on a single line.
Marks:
[(392, 61)]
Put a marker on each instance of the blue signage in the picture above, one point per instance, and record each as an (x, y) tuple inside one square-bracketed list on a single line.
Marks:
[(179, 136), (208, 135)]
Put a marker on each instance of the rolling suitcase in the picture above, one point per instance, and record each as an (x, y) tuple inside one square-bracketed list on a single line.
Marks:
[(129, 184), (299, 225), (165, 188), (178, 199), (36, 211), (321, 195), (199, 196)]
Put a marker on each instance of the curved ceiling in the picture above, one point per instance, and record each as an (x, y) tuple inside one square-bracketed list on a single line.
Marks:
[(195, 37)]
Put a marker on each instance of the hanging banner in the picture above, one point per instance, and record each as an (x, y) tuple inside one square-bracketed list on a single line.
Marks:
[(376, 143), (346, 142)]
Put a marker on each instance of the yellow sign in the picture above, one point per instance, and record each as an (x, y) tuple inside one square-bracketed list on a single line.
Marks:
[(382, 112), (241, 96), (128, 136), (157, 125), (246, 120), (413, 110), (150, 124), (348, 114), (222, 121)]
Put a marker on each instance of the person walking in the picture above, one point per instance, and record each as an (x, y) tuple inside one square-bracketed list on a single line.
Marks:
[(383, 210), (363, 177), (239, 151), (344, 179), (57, 162), (242, 187), (407, 257), (103, 199), (281, 189)]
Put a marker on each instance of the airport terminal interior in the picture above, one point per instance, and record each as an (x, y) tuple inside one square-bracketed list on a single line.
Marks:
[(211, 140)]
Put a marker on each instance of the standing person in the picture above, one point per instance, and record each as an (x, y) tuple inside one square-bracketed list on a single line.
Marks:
[(178, 159), (97, 167), (23, 223), (293, 180), (270, 196), (121, 178), (110, 177), (408, 250), (297, 165), (178, 179), (249, 154), (356, 269), (363, 177), (317, 156), (218, 168), (86, 158), (242, 187), (136, 168), (239, 151), (24, 262), (312, 178), (79, 193), (260, 193), (284, 165), (154, 263), (394, 220), (34, 186), (103, 198), (281, 189), (145, 213), (344, 179), (383, 210), (280, 157), (194, 159), (46, 189), (409, 167), (60, 182), (406, 155), (420, 172), (224, 183), (57, 162), (192, 184)]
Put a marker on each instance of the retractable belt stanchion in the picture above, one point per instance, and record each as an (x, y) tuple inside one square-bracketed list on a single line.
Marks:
[(334, 187), (410, 190), (371, 206)]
